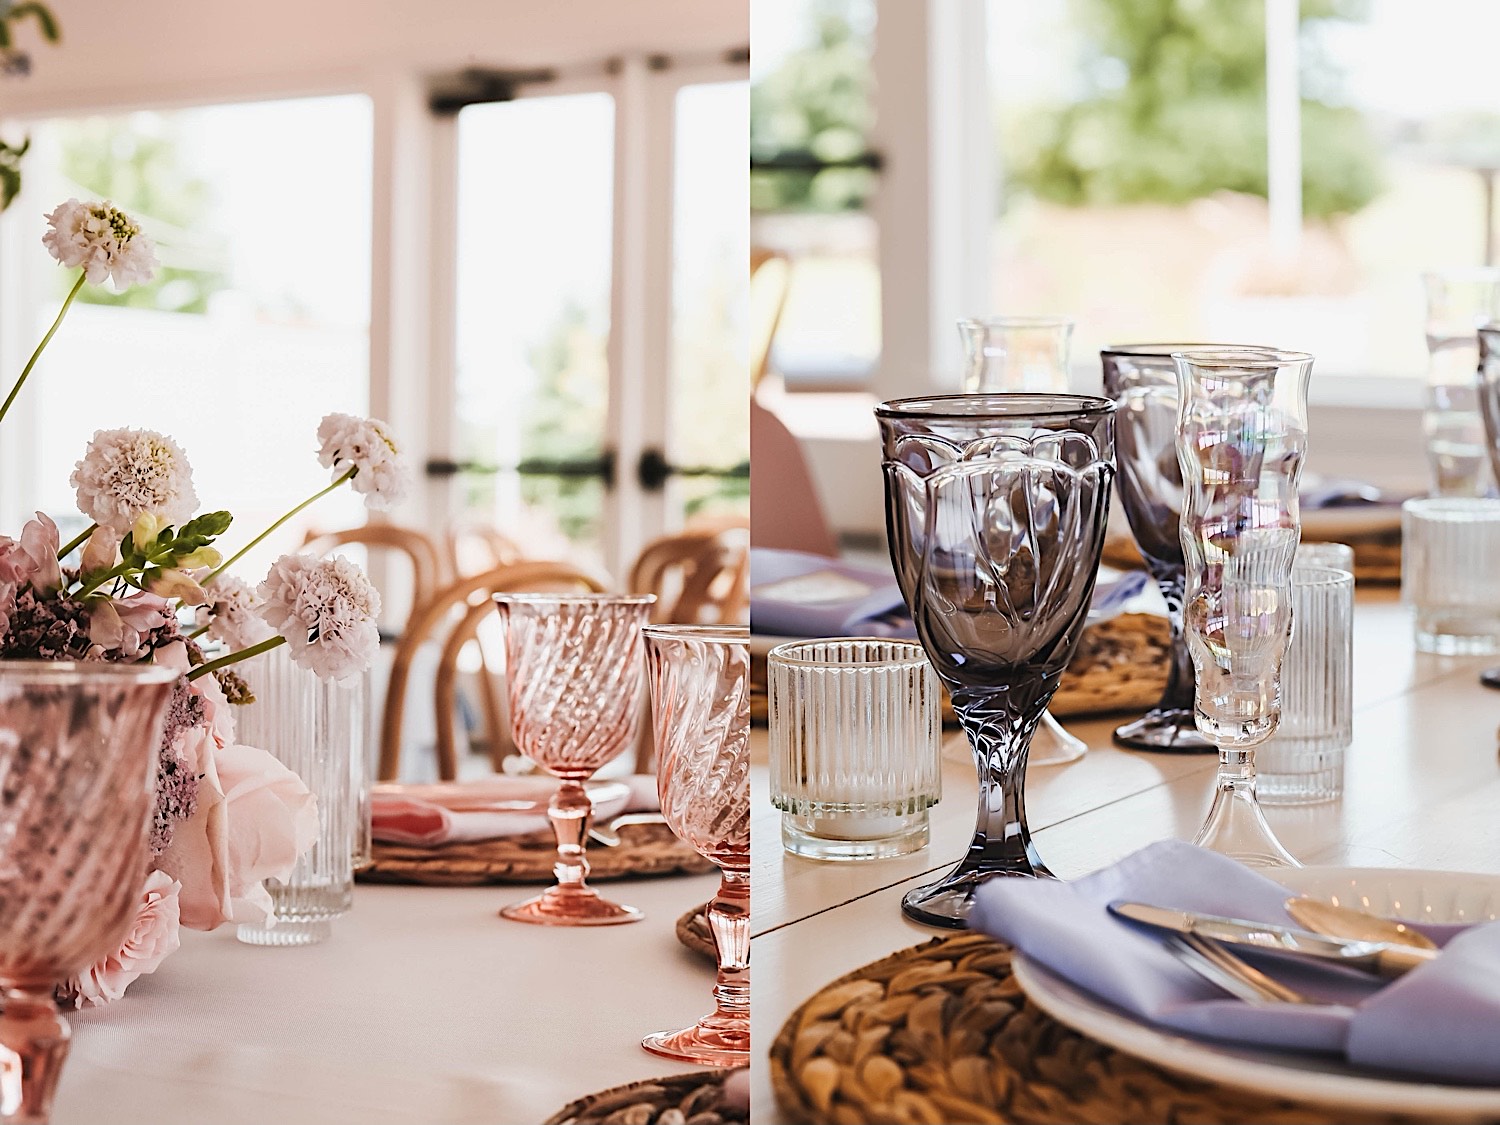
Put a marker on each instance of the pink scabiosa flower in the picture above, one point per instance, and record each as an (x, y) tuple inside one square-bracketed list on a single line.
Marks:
[(326, 610), (101, 240), (230, 614), (126, 474), (364, 446)]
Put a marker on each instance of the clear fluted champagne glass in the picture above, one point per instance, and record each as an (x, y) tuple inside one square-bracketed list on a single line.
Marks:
[(1242, 437), (995, 509), (1142, 380), (700, 705), (573, 664), (1003, 354), (78, 752)]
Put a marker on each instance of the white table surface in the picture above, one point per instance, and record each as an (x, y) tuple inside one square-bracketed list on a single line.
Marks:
[(424, 1007), (1422, 790)]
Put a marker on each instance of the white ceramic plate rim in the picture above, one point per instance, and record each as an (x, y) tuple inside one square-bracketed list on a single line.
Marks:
[(1313, 1079)]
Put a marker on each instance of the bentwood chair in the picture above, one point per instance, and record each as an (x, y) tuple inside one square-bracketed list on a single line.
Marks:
[(699, 576)]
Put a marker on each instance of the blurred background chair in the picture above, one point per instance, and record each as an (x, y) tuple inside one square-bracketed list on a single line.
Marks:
[(700, 576)]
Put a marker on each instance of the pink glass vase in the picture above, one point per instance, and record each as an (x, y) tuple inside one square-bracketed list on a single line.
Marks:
[(78, 752), (573, 665), (700, 701)]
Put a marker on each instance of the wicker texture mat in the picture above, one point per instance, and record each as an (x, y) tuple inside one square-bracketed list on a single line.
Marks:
[(1120, 665), (1377, 556), (943, 1033), (693, 932), (645, 849), (683, 1099)]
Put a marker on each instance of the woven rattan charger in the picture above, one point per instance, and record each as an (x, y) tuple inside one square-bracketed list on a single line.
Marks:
[(943, 1033), (682, 1099)]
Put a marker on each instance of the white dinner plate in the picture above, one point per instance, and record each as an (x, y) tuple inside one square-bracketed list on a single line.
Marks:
[(1428, 896)]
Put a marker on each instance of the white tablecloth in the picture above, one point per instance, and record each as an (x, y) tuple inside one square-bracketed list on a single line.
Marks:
[(423, 1007)]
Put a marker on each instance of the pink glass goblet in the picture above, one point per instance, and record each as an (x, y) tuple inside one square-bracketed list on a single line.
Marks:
[(573, 663), (700, 702), (78, 751)]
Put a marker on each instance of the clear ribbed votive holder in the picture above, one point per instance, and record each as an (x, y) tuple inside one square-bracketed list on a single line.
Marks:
[(1450, 573), (1334, 556), (317, 730), (1303, 762), (855, 733)]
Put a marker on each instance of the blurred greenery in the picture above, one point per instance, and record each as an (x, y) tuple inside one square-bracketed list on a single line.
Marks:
[(140, 170), (17, 63)]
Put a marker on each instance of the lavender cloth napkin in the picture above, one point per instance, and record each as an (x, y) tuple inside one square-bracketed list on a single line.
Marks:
[(793, 594), (1441, 1020)]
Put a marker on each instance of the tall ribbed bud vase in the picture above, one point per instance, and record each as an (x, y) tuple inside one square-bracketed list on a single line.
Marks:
[(317, 730)]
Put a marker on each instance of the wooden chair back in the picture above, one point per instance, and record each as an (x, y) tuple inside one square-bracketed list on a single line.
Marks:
[(699, 577), (770, 284)]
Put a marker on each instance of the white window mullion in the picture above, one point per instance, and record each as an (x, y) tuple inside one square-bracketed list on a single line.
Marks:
[(1283, 128)]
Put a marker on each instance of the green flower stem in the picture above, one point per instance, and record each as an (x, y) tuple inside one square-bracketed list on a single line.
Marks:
[(30, 363), (235, 657), (234, 558), (100, 579), (198, 632), (76, 540)]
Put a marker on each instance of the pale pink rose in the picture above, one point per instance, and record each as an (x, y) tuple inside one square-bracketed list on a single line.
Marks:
[(121, 623), (254, 819), (151, 937)]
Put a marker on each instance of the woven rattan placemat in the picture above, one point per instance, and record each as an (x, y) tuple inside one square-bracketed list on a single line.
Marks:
[(1120, 665), (943, 1033), (645, 849), (1377, 556), (682, 1099), (693, 932)]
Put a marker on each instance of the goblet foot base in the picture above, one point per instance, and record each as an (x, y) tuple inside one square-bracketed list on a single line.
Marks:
[(1053, 745), (714, 1041), (1236, 827), (947, 902), (1490, 677), (33, 1046), (1164, 731), (851, 838), (570, 906), (287, 933)]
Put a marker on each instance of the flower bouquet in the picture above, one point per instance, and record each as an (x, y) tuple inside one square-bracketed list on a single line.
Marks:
[(227, 816)]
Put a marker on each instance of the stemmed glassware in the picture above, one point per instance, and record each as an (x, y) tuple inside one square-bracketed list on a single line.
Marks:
[(1242, 435), (1459, 301), (1489, 409), (1024, 353), (995, 510), (78, 752), (573, 663), (1142, 380), (700, 703)]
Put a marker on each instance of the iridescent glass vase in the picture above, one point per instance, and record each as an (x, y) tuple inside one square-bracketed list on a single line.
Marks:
[(700, 706), (995, 510), (573, 665), (1142, 380), (1242, 436), (78, 752)]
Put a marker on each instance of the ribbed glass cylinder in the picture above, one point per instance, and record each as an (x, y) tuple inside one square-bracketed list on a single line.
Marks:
[(1303, 762), (1450, 573), (855, 731), (317, 730)]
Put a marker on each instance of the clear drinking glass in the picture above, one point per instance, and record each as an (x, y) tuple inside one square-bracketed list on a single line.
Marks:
[(1459, 301), (317, 730), (1303, 762), (1450, 573), (995, 511), (1242, 436), (78, 752), (1142, 380), (700, 706), (573, 664), (1024, 353), (856, 729), (1333, 556)]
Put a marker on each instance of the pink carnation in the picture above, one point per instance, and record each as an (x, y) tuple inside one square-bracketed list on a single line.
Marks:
[(31, 562)]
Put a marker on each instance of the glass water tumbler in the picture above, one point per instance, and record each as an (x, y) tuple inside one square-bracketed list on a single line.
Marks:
[(1016, 353), (1450, 573), (1459, 302), (855, 733), (1303, 762), (317, 730), (1333, 556)]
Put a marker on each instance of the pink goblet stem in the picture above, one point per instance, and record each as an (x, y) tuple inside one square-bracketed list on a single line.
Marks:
[(33, 1045)]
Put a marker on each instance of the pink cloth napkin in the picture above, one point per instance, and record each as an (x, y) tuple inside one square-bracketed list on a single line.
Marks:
[(451, 812)]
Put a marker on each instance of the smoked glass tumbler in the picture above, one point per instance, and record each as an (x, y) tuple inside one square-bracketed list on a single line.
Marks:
[(78, 752), (1142, 380), (995, 512), (573, 665), (700, 706), (856, 730), (1242, 436)]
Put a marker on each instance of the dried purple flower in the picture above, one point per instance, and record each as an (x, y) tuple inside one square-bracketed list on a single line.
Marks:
[(176, 783)]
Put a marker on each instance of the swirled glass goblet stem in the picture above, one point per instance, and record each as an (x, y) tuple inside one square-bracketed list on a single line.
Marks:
[(78, 751), (700, 704), (1242, 436), (995, 511)]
